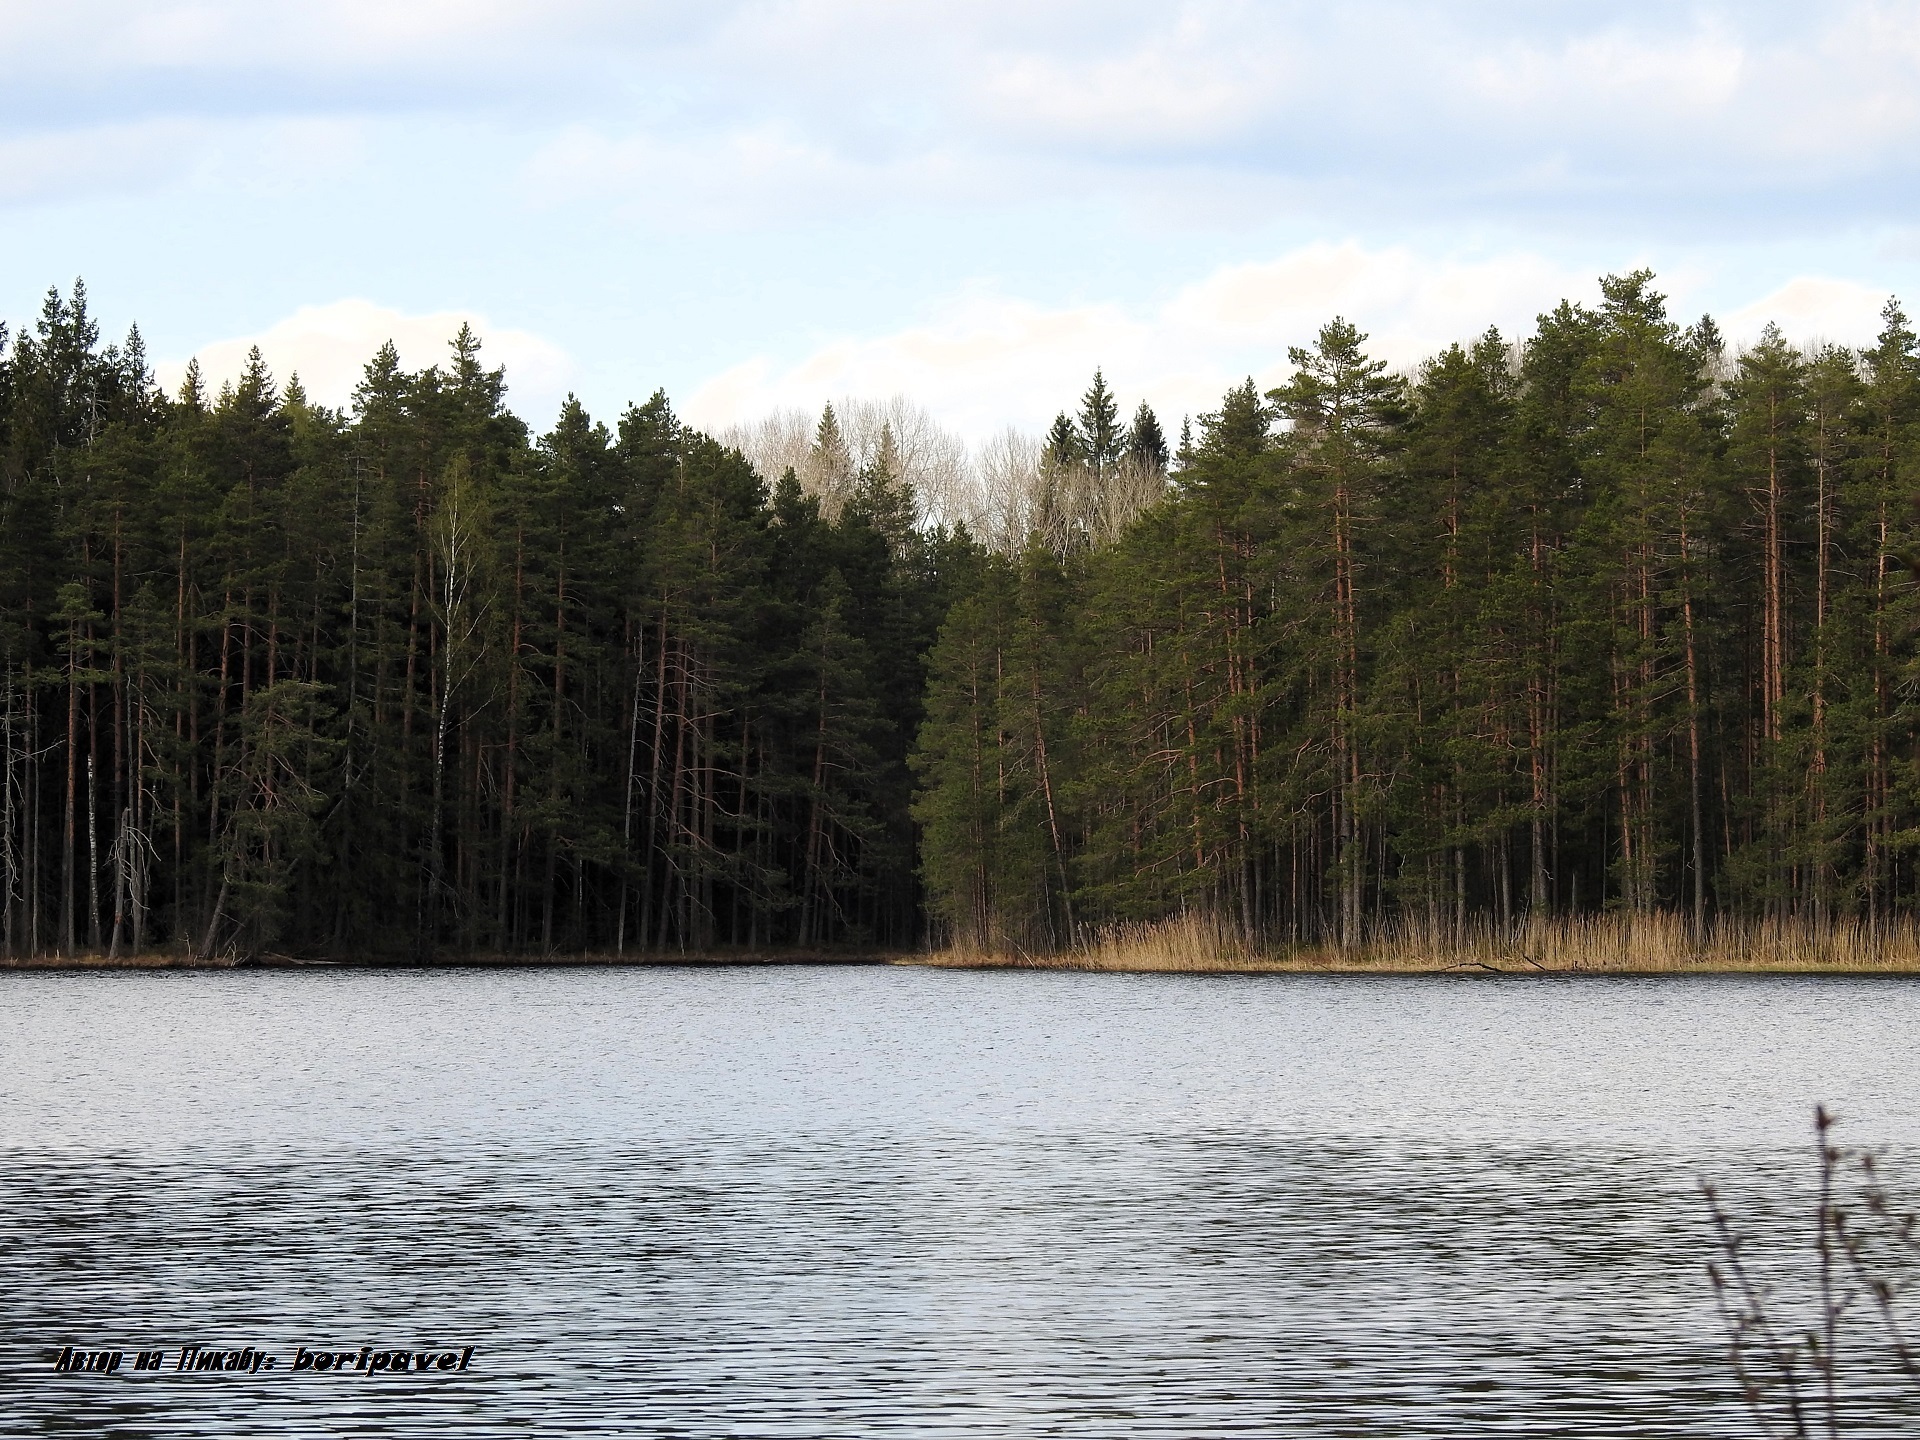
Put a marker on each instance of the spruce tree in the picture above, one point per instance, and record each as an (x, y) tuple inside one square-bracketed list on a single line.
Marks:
[(1146, 446), (1101, 440)]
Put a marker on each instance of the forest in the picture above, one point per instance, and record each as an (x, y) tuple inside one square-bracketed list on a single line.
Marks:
[(1606, 619)]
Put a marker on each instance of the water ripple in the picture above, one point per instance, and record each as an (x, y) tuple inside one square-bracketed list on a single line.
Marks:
[(650, 1220)]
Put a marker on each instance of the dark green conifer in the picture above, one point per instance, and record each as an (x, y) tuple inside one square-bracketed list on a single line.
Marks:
[(1146, 446)]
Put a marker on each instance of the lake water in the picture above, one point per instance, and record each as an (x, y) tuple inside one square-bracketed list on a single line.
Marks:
[(835, 1202)]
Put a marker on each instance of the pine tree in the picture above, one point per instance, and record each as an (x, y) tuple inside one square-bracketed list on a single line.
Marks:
[(1767, 453), (1881, 609), (961, 763), (1346, 410)]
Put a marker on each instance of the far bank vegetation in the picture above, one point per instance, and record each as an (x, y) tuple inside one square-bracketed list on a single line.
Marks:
[(1594, 649), (1591, 648), (1612, 944)]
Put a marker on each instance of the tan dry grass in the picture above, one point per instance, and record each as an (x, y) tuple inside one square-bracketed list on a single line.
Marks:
[(1191, 943), (1589, 944)]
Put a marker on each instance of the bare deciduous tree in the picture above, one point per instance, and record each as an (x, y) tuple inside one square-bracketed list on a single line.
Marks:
[(1003, 491)]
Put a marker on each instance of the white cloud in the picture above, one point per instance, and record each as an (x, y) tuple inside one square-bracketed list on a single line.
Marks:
[(1689, 73), (64, 162), (1410, 304), (1188, 84), (1812, 308), (147, 155), (214, 34), (862, 155), (988, 360), (761, 173), (762, 113), (329, 346), (983, 362)]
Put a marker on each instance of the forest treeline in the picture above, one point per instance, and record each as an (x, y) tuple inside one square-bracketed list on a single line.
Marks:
[(408, 679), (1606, 618)]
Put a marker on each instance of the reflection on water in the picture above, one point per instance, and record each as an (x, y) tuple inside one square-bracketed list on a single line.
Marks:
[(847, 1203)]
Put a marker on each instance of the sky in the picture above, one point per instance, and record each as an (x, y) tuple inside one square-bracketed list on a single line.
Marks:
[(770, 203)]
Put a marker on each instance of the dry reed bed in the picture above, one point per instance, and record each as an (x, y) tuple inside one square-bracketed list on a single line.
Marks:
[(1594, 944)]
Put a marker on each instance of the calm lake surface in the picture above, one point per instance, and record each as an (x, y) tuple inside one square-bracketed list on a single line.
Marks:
[(819, 1201)]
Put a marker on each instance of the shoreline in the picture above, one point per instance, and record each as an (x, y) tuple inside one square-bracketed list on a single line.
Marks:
[(1314, 964), (176, 960), (1317, 962), (1657, 944)]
